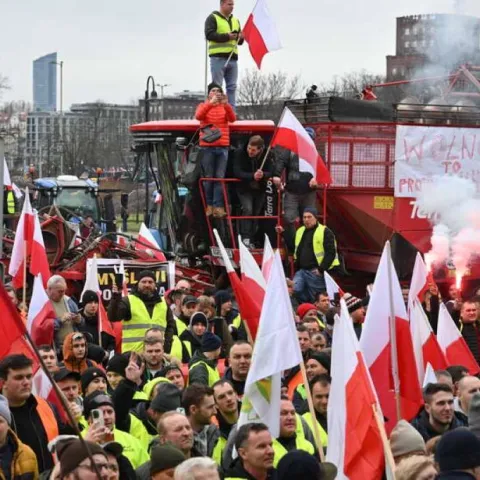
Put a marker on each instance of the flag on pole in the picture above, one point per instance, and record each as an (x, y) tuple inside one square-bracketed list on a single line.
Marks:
[(276, 349), (354, 439), (249, 307), (291, 134), (419, 282), (378, 348), (41, 315), (252, 277), (267, 260), (430, 376), (453, 344), (7, 180), (91, 283), (332, 287), (425, 344), (38, 255), (261, 33), (145, 236)]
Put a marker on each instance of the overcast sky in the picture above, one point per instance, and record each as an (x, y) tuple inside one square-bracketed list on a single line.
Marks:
[(110, 46)]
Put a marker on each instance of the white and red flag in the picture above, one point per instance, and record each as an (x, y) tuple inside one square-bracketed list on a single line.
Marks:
[(41, 315), (267, 260), (7, 180), (251, 275), (453, 344), (425, 344), (249, 306), (386, 343), (332, 287), (354, 440), (291, 134), (28, 245), (91, 283), (146, 237), (420, 281), (261, 33)]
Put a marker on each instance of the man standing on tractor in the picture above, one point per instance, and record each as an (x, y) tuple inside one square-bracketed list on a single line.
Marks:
[(224, 33), (300, 188), (248, 166), (144, 308)]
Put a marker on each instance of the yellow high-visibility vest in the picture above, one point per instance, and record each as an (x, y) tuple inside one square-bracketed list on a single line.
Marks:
[(318, 237), (223, 26)]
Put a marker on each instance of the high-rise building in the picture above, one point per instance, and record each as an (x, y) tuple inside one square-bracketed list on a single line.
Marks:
[(45, 83)]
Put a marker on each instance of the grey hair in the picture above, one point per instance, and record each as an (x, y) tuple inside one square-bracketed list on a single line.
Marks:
[(55, 280), (187, 469)]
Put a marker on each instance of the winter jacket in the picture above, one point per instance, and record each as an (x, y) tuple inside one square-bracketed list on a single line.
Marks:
[(18, 458), (90, 326), (238, 386), (471, 335), (218, 115), (422, 425), (69, 360), (244, 168), (211, 433), (454, 475), (119, 310), (200, 373), (194, 340), (297, 182), (58, 324), (236, 471)]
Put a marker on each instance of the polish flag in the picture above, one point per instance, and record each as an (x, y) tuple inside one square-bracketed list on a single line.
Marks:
[(430, 376), (268, 257), (390, 374), (248, 305), (419, 282), (453, 344), (7, 181), (354, 439), (41, 315), (145, 236), (121, 240), (332, 287), (290, 134), (91, 283), (261, 33), (42, 387), (425, 344), (38, 255)]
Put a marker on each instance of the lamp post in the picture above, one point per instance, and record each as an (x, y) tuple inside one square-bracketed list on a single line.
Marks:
[(150, 98), (162, 110), (61, 110)]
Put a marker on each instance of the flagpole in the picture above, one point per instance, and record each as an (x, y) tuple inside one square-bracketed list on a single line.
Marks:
[(393, 336), (273, 136), (383, 435), (316, 431), (24, 294), (206, 69), (62, 400), (231, 53)]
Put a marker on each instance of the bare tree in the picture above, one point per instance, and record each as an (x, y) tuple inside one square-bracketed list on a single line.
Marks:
[(262, 95), (4, 84)]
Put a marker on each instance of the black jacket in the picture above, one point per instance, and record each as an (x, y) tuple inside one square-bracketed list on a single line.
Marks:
[(244, 167), (236, 470), (238, 385), (297, 182), (212, 35), (200, 374), (119, 309), (422, 424), (454, 475), (307, 260), (90, 326), (140, 412), (195, 342)]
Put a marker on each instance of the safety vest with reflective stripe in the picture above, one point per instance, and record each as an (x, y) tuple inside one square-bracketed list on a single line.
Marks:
[(281, 451), (10, 203), (223, 26), (47, 418), (138, 430), (318, 250), (302, 391), (237, 321), (134, 329), (323, 434), (213, 375), (177, 344), (218, 450)]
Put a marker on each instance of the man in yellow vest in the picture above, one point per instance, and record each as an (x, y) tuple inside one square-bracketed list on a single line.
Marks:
[(144, 308), (315, 253), (203, 365), (320, 388), (224, 33)]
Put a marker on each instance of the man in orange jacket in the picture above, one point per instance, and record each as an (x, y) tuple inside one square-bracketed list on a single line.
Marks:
[(33, 419)]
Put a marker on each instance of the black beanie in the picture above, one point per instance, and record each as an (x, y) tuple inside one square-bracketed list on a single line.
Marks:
[(222, 296), (213, 85), (145, 274), (323, 359), (167, 399), (95, 400), (199, 317), (458, 449), (210, 342), (91, 374), (118, 364), (89, 296), (311, 210)]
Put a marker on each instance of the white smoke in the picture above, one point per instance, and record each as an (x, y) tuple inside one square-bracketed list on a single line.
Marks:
[(454, 206)]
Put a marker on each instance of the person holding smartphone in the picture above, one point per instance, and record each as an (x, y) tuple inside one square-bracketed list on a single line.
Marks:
[(215, 113)]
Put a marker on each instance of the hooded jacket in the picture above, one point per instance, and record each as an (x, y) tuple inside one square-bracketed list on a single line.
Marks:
[(199, 374), (237, 471), (69, 360), (90, 326), (18, 458)]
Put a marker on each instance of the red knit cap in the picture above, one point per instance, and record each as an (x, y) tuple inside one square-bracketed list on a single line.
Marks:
[(304, 308)]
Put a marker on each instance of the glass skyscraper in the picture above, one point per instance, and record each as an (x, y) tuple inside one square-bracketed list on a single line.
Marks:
[(45, 83)]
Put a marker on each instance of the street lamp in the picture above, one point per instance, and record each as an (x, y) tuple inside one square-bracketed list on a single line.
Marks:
[(162, 86), (151, 98)]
